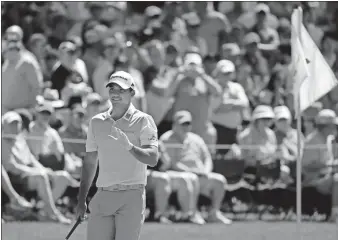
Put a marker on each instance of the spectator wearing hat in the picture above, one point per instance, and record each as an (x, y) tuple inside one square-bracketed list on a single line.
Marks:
[(105, 67), (318, 158), (59, 25), (45, 142), (64, 67), (94, 104), (192, 37), (92, 35), (21, 74), (260, 138), (25, 170), (193, 90), (75, 129), (231, 52), (228, 107), (195, 157), (329, 47), (249, 18), (309, 116), (309, 21), (37, 45), (79, 65), (214, 26), (286, 135), (254, 58), (269, 37), (173, 25)]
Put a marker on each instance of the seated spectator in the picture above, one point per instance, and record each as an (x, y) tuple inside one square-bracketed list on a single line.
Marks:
[(228, 108), (45, 142), (21, 73), (76, 130), (15, 200), (318, 159), (286, 136), (23, 169), (260, 138), (194, 157), (185, 184)]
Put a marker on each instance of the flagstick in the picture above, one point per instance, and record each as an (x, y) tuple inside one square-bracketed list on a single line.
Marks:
[(299, 154)]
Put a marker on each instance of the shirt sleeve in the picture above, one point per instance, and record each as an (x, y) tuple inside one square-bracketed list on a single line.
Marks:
[(91, 145), (148, 134)]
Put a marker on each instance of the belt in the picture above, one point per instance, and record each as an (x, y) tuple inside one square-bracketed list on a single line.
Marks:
[(121, 187)]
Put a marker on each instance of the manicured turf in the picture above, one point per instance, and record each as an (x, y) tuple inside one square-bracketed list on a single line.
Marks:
[(237, 231)]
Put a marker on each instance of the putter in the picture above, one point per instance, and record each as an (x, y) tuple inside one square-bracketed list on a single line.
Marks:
[(78, 221)]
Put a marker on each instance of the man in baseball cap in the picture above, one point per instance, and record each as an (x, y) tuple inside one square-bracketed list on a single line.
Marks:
[(122, 79), (124, 141)]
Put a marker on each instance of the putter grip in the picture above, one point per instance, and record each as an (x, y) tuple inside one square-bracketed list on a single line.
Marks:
[(78, 221)]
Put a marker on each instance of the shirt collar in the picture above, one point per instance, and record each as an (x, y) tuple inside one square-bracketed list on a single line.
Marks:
[(127, 115)]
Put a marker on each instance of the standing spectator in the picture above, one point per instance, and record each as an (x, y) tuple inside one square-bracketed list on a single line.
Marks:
[(59, 26), (309, 117), (318, 158), (269, 36), (172, 24), (37, 45), (93, 103), (79, 65), (21, 73), (194, 157), (229, 106), (64, 67), (192, 38), (249, 19), (254, 58), (105, 66), (214, 28), (193, 93)]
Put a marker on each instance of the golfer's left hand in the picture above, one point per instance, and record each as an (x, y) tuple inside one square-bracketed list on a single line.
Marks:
[(122, 139)]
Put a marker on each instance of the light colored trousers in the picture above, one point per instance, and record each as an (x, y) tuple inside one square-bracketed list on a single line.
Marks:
[(116, 215)]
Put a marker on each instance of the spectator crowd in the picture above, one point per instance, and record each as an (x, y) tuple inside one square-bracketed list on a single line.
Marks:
[(209, 73)]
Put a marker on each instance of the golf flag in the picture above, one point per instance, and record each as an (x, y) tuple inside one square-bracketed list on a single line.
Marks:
[(299, 70), (321, 80)]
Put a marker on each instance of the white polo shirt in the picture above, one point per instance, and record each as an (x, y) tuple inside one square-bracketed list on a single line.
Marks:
[(118, 165)]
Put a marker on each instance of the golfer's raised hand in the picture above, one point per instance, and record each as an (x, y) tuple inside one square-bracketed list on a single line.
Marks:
[(122, 138)]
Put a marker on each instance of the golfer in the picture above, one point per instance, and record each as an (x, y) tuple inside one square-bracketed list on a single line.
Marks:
[(124, 141)]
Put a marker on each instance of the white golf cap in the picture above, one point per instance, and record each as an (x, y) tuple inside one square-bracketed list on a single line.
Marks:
[(225, 66), (193, 58), (123, 79), (282, 112)]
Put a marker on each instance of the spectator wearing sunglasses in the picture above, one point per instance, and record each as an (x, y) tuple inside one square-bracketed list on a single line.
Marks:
[(21, 73)]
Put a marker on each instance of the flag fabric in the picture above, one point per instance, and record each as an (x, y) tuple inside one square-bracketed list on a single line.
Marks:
[(321, 80), (299, 68)]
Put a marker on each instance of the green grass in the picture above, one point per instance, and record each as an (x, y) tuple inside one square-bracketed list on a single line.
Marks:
[(237, 231)]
